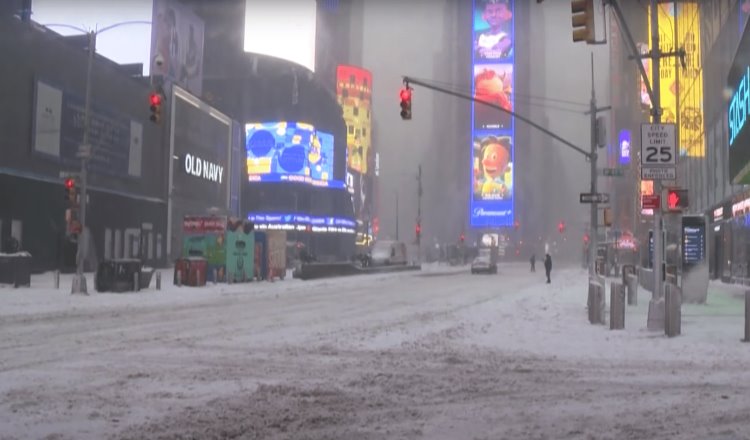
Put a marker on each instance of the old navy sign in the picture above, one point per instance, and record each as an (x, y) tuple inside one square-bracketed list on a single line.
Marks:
[(202, 168), (739, 106)]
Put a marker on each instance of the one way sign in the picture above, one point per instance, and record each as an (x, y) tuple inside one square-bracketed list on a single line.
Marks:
[(594, 198)]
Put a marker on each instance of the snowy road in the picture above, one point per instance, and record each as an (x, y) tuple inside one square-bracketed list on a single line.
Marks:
[(439, 354)]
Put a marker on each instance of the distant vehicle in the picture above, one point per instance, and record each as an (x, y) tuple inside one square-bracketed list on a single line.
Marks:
[(388, 253), (486, 261)]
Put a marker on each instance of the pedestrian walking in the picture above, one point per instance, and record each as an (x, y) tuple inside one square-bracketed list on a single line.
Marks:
[(532, 260), (548, 266)]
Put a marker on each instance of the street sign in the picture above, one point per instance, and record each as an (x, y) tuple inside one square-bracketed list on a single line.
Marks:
[(661, 173), (594, 198), (658, 152), (84, 152), (650, 201), (611, 172)]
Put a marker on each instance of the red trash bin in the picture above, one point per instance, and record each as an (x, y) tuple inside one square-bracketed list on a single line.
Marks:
[(198, 266)]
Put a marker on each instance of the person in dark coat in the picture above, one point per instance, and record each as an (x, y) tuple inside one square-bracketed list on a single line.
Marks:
[(532, 260), (547, 266)]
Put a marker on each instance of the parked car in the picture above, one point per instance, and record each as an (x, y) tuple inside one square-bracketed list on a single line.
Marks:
[(485, 261), (387, 253)]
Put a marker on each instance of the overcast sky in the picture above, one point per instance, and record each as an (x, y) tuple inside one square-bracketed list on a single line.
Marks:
[(126, 44)]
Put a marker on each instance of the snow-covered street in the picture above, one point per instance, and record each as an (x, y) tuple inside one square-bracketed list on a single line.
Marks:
[(436, 354)]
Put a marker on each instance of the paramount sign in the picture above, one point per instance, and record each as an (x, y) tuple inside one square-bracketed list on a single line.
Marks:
[(202, 168)]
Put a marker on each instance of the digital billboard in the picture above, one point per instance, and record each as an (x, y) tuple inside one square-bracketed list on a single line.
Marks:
[(492, 179), (289, 152), (738, 109), (354, 93), (282, 29), (177, 43), (679, 28)]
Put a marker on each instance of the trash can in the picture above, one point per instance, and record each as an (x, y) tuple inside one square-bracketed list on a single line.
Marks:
[(15, 269), (117, 275), (191, 270)]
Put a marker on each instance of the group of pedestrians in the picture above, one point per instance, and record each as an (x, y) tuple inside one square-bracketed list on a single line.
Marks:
[(547, 265)]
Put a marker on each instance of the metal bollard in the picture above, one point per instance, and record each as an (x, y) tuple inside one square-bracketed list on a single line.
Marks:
[(56, 276), (672, 309), (616, 306), (136, 282), (158, 280), (179, 278), (595, 303), (747, 317), (632, 285), (216, 276)]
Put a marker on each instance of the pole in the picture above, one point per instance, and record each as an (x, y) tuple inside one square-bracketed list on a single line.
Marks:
[(594, 239), (419, 209), (79, 281), (656, 113), (396, 215)]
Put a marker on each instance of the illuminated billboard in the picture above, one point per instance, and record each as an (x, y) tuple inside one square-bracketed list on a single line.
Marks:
[(738, 111), (354, 93), (679, 28), (492, 179), (289, 152), (284, 29)]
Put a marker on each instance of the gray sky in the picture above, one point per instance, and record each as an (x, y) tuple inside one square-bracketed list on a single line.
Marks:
[(126, 44)]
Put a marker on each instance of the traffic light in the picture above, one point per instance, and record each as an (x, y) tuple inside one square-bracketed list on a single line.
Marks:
[(583, 20), (71, 193), (677, 199), (561, 226), (462, 238), (418, 231), (405, 96), (155, 99)]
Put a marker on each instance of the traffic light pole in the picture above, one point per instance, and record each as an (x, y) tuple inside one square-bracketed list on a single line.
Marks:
[(656, 105), (594, 219), (419, 209)]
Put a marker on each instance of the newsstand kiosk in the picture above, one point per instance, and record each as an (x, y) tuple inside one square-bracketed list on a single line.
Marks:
[(221, 247)]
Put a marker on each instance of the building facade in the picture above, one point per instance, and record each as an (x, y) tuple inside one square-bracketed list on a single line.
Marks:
[(41, 131)]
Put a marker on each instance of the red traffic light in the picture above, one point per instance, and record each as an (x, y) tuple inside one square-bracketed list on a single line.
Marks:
[(69, 183), (405, 95), (155, 99), (561, 227), (418, 229), (462, 237)]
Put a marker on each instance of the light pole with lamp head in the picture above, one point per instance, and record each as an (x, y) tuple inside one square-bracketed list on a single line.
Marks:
[(85, 150)]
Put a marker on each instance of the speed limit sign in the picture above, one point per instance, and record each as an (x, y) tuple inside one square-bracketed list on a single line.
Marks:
[(658, 152)]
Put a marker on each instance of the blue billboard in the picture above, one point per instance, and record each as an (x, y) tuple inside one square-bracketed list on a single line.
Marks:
[(493, 148), (289, 152)]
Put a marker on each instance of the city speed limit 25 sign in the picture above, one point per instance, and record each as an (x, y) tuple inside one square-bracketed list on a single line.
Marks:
[(658, 152)]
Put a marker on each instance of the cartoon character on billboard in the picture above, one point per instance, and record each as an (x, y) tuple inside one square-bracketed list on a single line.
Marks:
[(493, 170), (496, 42), (493, 84)]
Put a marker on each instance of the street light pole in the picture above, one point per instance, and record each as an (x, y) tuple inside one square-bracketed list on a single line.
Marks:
[(84, 152)]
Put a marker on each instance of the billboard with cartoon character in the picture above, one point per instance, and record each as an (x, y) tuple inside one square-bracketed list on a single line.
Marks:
[(492, 197)]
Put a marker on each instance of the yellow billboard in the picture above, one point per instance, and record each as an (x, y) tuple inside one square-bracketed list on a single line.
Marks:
[(690, 85), (681, 88)]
